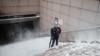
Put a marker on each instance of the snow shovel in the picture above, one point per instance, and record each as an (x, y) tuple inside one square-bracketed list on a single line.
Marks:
[(50, 42)]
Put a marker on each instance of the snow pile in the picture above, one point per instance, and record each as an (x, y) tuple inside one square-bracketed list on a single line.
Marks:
[(74, 49)]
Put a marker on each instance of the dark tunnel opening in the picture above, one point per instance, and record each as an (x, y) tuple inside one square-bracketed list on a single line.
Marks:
[(9, 32)]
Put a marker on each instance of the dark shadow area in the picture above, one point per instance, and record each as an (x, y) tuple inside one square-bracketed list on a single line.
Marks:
[(9, 32)]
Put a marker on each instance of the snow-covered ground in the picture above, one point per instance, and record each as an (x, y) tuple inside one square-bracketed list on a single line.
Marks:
[(25, 48), (40, 47), (74, 49)]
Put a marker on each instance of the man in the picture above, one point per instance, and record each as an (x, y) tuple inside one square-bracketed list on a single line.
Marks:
[(55, 31)]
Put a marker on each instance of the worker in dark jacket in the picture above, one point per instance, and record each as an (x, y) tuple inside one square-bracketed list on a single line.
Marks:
[(55, 31), (55, 35)]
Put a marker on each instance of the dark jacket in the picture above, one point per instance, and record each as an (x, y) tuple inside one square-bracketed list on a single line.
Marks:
[(55, 31)]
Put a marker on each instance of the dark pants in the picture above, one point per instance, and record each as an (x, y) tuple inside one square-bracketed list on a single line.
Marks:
[(55, 39)]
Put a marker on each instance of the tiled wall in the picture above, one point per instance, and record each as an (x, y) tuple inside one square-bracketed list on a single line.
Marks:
[(86, 35), (75, 14), (12, 7)]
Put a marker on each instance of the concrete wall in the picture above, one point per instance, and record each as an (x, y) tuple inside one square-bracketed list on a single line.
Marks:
[(75, 14), (12, 7), (86, 35)]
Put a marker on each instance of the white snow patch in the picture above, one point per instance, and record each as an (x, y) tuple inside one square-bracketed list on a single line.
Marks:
[(74, 49), (26, 48)]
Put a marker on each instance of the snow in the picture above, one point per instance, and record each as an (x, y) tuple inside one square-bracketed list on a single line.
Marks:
[(25, 48), (74, 49), (40, 47)]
